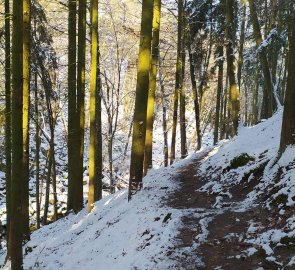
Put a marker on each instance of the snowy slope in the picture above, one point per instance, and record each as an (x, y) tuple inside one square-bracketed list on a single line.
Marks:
[(137, 235), (260, 142), (273, 191), (117, 235)]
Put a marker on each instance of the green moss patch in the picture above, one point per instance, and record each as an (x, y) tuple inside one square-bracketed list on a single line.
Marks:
[(241, 161)]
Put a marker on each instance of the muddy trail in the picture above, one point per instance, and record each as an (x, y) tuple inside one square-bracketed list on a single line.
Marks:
[(214, 238)]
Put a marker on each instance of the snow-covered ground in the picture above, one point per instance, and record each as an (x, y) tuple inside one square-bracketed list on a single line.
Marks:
[(276, 185), (139, 234), (117, 235)]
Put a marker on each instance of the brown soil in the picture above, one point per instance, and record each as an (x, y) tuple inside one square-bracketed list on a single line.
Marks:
[(225, 246)]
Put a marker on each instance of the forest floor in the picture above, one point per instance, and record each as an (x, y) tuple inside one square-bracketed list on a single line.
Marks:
[(216, 238)]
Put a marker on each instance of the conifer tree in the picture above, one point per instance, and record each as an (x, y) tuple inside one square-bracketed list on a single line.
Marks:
[(288, 126), (72, 115), (219, 92), (182, 121), (267, 106), (95, 151), (178, 79), (152, 87), (17, 183), (26, 109), (195, 92), (7, 113), (142, 87), (234, 90), (37, 158), (80, 120)]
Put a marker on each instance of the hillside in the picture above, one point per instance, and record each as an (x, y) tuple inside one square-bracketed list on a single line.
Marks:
[(228, 204)]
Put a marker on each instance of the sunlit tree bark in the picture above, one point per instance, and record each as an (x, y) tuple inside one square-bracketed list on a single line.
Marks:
[(95, 151), (142, 87), (234, 89), (26, 109), (148, 155)]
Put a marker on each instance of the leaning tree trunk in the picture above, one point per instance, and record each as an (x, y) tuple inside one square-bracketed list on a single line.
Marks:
[(142, 87), (47, 188), (288, 127), (148, 153), (51, 114), (178, 82), (17, 180)]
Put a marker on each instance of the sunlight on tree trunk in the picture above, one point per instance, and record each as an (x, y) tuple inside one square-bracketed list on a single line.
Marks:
[(148, 155), (142, 87)]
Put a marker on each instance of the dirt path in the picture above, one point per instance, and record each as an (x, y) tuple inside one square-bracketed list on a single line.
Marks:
[(211, 238)]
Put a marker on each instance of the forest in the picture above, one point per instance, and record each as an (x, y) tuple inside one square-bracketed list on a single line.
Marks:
[(147, 134)]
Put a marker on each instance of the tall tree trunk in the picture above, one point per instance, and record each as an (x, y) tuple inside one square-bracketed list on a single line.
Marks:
[(47, 188), (7, 115), (17, 180), (110, 151), (182, 121), (283, 88), (50, 154), (246, 106), (54, 187), (241, 48), (94, 152), (148, 153), (195, 95), (219, 92), (93, 76), (142, 87), (26, 109), (98, 142), (164, 114), (267, 106), (223, 131), (80, 120), (51, 114), (52, 131), (178, 82), (288, 126), (255, 100), (72, 115), (234, 90), (221, 116), (37, 157)]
